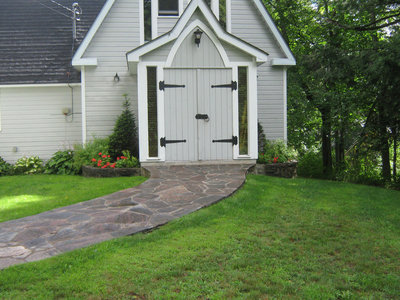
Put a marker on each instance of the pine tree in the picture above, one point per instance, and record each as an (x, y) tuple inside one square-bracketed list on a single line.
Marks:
[(124, 136)]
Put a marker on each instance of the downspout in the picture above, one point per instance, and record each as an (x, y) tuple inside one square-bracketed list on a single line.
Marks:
[(83, 102)]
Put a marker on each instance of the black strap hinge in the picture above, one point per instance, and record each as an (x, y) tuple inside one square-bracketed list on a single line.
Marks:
[(233, 140), (162, 85), (232, 86), (164, 142)]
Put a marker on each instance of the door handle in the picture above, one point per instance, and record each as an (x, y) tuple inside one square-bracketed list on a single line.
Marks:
[(202, 117)]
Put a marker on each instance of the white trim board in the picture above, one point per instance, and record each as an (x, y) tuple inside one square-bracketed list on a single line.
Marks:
[(38, 85)]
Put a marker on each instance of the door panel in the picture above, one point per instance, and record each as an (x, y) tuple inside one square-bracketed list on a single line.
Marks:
[(183, 104), (180, 110), (217, 103)]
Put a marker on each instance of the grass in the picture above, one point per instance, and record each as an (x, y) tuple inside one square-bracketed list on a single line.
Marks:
[(22, 196), (274, 239)]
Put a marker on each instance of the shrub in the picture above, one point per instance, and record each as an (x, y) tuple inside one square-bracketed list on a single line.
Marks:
[(5, 168), (83, 154), (261, 138), (62, 163), (28, 165), (310, 165), (276, 152), (124, 136), (127, 161)]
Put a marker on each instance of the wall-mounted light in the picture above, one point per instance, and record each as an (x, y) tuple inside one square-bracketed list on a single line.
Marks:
[(197, 37), (116, 78)]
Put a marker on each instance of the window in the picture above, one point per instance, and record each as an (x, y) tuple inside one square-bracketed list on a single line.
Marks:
[(168, 7), (243, 113), (222, 13), (152, 110), (147, 20)]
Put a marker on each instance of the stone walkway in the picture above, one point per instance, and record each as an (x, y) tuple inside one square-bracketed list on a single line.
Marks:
[(171, 192)]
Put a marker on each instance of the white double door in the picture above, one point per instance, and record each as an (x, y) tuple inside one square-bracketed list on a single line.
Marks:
[(198, 115)]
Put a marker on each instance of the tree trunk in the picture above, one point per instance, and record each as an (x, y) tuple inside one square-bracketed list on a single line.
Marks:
[(384, 143), (326, 142), (394, 131), (339, 148)]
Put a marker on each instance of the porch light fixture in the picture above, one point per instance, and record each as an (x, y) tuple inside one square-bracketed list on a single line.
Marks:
[(197, 37), (116, 78)]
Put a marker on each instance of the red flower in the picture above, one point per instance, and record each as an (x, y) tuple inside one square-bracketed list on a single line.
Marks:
[(100, 153), (104, 156), (94, 160), (109, 156), (99, 164), (103, 167), (276, 159), (118, 158), (108, 163), (113, 165), (100, 161)]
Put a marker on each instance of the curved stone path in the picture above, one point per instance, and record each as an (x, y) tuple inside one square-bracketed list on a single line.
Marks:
[(171, 192)]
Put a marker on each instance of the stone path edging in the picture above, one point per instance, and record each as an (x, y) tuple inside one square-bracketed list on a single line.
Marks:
[(170, 192)]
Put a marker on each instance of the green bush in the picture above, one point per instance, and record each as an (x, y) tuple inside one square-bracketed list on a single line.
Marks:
[(127, 161), (5, 168), (276, 152), (28, 165), (62, 163), (310, 165), (83, 154), (124, 136)]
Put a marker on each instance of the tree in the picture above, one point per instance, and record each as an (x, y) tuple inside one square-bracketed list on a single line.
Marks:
[(124, 136)]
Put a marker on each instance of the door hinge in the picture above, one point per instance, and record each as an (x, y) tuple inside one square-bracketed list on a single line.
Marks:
[(233, 140), (232, 86), (164, 142), (162, 85)]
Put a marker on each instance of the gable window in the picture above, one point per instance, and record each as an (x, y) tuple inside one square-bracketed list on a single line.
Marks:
[(147, 20), (168, 7)]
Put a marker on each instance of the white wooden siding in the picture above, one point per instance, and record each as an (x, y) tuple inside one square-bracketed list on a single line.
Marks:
[(248, 25), (189, 55), (32, 121), (119, 33)]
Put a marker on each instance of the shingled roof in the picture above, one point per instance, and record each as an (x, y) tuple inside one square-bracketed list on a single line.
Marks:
[(36, 43)]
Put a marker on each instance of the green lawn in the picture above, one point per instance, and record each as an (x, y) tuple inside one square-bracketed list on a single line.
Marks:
[(22, 196), (274, 239)]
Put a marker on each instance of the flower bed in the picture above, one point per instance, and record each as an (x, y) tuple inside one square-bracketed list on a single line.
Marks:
[(285, 170), (89, 171)]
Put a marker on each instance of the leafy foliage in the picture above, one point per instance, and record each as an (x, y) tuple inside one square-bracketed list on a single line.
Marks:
[(28, 165), (276, 152), (124, 136), (83, 154), (310, 165), (62, 163), (5, 168), (127, 161)]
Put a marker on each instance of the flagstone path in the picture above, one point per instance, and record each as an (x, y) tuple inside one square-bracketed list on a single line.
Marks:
[(171, 192)]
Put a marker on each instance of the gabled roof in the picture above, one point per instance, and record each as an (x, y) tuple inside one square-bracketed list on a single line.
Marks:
[(134, 55), (79, 61), (36, 43)]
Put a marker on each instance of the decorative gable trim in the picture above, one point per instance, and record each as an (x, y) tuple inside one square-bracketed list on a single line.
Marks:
[(77, 60), (290, 60), (134, 55)]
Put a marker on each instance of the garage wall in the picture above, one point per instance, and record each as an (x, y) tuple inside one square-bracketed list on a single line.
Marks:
[(31, 120)]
